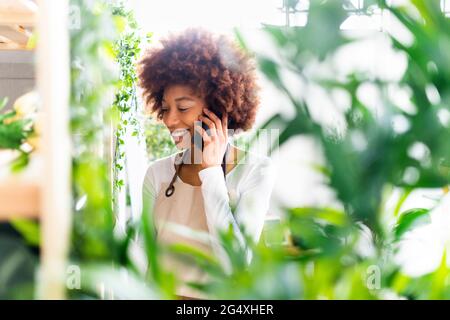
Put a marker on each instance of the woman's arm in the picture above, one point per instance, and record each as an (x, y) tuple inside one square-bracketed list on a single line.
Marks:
[(251, 207)]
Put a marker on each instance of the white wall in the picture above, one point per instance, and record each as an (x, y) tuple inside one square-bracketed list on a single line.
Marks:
[(16, 74)]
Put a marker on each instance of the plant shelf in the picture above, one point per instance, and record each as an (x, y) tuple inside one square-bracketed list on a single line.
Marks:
[(19, 199), (17, 19)]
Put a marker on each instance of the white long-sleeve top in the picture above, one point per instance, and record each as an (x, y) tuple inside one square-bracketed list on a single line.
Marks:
[(247, 188)]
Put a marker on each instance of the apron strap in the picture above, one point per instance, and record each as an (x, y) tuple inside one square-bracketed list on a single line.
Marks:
[(171, 188)]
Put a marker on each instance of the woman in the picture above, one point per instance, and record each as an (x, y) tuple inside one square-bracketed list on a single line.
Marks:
[(196, 78)]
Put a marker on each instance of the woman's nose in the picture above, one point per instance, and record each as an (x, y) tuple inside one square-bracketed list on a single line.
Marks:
[(172, 120)]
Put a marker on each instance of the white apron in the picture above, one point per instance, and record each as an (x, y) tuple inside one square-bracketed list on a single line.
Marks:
[(184, 207)]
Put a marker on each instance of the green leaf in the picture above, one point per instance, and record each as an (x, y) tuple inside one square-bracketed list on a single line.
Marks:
[(409, 220), (402, 199), (17, 268), (7, 115), (20, 162), (29, 229), (324, 19), (120, 281), (3, 102), (199, 255), (270, 69), (328, 215), (120, 22), (13, 134)]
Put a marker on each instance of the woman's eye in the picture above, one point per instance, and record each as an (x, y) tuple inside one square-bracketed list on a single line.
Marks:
[(179, 109)]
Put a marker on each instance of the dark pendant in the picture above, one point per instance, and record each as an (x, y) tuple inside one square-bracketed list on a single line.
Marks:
[(170, 190)]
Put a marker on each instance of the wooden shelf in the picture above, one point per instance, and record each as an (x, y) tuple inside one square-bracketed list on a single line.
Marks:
[(17, 19), (19, 193), (45, 190), (19, 200)]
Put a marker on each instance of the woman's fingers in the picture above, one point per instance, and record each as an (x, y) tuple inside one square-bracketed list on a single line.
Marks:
[(210, 124), (225, 124), (205, 136)]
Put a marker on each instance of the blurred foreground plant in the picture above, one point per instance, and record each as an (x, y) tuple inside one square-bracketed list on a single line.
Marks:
[(348, 252)]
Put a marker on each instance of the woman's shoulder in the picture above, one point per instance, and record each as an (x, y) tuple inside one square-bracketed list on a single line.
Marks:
[(161, 169), (251, 159), (253, 164)]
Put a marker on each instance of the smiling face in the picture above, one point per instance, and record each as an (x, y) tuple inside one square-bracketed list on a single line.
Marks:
[(180, 109)]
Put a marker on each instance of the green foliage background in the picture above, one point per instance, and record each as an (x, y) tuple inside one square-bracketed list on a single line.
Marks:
[(323, 260)]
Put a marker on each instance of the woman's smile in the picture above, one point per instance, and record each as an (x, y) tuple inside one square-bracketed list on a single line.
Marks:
[(179, 135)]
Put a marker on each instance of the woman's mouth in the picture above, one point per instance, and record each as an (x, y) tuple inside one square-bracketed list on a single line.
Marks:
[(178, 135)]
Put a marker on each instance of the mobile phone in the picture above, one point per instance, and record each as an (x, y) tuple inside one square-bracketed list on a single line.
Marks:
[(198, 139)]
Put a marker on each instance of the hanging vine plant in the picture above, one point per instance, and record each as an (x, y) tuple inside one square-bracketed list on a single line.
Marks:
[(126, 49)]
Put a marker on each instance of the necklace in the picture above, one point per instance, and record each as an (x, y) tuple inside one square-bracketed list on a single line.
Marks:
[(171, 188)]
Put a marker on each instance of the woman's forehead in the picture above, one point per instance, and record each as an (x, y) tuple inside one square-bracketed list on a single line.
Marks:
[(179, 92)]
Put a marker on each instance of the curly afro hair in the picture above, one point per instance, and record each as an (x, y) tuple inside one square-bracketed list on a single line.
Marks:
[(214, 66)]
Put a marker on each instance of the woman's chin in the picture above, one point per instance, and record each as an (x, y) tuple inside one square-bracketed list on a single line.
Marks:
[(182, 145), (181, 141)]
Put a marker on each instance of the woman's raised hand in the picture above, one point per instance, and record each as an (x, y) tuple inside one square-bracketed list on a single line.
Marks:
[(215, 144)]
